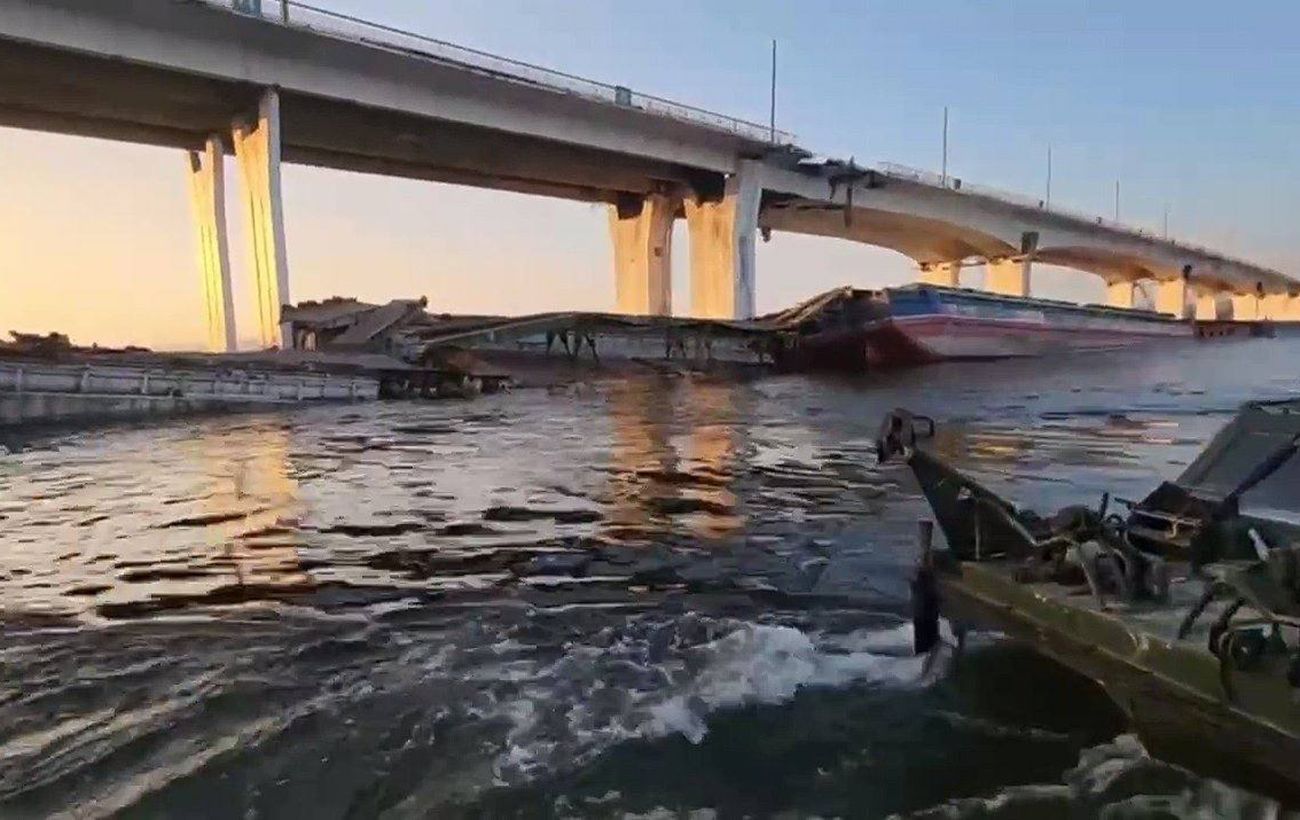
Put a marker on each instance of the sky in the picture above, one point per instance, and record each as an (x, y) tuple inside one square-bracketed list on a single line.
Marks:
[(1191, 105)]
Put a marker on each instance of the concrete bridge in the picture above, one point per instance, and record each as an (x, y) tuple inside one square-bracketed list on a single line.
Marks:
[(292, 83)]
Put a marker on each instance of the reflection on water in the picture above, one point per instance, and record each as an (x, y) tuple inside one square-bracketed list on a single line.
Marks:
[(666, 467), (683, 593)]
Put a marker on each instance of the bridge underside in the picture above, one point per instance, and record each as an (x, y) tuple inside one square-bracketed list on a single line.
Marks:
[(51, 90), (925, 240)]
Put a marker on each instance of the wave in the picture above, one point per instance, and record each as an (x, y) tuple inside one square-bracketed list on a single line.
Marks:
[(660, 679)]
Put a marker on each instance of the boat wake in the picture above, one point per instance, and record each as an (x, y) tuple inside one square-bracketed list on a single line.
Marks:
[(657, 679)]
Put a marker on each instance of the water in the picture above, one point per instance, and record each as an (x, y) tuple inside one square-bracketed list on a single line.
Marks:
[(663, 598)]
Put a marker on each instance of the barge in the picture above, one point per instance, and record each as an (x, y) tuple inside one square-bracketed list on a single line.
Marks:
[(921, 324)]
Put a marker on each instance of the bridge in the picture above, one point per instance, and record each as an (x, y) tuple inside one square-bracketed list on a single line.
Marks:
[(288, 82)]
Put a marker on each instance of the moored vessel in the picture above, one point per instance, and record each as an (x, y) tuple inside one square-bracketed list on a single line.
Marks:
[(919, 324), (928, 323)]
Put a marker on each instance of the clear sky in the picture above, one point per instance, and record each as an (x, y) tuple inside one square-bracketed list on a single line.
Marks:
[(1186, 102)]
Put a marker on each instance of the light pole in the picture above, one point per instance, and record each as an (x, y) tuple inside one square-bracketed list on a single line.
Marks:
[(772, 109), (944, 175), (1048, 201)]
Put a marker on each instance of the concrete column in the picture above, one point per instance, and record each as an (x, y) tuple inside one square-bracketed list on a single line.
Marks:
[(1171, 297), (257, 149), (641, 229), (1245, 307), (208, 203), (942, 274), (1273, 306), (1119, 293), (722, 247), (1008, 277), (1207, 305)]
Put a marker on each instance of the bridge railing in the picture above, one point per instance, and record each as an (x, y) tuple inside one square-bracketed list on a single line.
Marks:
[(898, 171), (336, 24)]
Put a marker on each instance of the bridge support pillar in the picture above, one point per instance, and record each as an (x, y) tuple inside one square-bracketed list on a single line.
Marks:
[(722, 247), (1245, 307), (1273, 306), (257, 149), (1119, 293), (641, 229), (1171, 297), (208, 202), (942, 274), (1207, 305), (1007, 277)]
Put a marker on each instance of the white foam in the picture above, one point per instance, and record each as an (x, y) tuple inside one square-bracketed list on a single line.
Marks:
[(770, 664), (651, 677)]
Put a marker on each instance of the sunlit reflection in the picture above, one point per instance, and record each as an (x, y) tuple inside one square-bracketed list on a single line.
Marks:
[(712, 452), (670, 468), (260, 549), (642, 455)]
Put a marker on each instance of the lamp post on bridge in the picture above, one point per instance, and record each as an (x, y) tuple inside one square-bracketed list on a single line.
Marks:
[(772, 108), (1047, 202), (944, 174)]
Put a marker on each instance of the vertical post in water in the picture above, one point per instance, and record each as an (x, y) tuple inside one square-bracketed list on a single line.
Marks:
[(944, 175), (772, 108)]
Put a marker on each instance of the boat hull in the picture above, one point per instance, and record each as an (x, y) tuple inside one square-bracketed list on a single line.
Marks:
[(1169, 690), (928, 324)]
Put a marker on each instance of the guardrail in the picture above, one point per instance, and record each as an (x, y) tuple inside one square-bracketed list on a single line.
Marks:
[(335, 24), (899, 171)]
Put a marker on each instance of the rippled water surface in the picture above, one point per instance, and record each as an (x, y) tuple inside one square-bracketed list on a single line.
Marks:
[(646, 597)]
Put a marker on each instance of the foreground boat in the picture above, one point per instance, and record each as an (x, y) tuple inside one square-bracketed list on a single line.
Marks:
[(1186, 609)]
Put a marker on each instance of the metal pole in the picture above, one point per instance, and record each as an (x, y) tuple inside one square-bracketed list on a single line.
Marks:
[(1048, 202), (284, 12), (1166, 220), (1117, 200), (772, 110), (944, 175)]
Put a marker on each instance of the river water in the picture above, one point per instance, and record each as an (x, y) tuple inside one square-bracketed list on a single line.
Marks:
[(657, 598)]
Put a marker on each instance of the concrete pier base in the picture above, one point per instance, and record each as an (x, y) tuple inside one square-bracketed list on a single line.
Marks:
[(1008, 277), (722, 247), (1119, 293), (1207, 305), (257, 149), (942, 274), (1171, 297), (641, 231), (1245, 307), (208, 202)]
